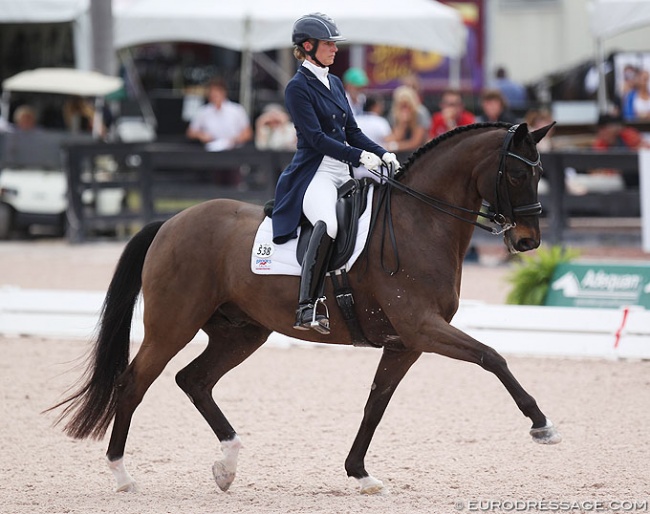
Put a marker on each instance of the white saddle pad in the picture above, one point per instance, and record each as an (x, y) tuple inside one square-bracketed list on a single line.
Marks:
[(267, 258)]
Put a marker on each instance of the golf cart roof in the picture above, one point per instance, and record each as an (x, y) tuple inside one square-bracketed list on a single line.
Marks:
[(65, 81)]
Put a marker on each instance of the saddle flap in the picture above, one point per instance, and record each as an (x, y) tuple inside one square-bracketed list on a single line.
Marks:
[(351, 203)]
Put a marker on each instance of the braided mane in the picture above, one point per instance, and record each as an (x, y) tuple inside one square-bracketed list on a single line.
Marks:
[(447, 135)]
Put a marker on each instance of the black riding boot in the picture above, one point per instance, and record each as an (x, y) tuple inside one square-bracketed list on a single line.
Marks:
[(312, 281)]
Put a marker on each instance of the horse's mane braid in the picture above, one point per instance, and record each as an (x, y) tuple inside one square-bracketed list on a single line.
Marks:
[(443, 137)]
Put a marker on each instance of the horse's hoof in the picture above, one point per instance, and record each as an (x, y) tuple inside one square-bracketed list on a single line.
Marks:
[(547, 434), (222, 475), (370, 485), (129, 487)]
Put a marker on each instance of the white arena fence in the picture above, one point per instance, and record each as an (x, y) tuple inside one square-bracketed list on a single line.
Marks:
[(509, 329)]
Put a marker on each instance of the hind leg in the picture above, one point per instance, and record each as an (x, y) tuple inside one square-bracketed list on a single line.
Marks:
[(228, 347), (130, 389)]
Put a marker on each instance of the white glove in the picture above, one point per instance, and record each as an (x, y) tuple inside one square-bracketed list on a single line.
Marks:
[(389, 159), (370, 161)]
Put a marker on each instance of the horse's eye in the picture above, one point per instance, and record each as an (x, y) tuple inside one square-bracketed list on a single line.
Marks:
[(517, 177)]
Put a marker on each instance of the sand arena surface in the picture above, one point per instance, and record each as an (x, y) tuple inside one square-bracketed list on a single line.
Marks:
[(451, 433)]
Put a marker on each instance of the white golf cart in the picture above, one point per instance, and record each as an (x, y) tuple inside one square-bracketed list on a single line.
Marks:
[(33, 181)]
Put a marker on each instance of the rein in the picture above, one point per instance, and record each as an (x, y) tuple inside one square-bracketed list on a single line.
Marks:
[(496, 216)]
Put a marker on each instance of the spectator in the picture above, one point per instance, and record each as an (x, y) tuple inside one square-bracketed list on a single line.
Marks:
[(274, 130), (636, 103), (220, 124), (424, 115), (452, 114), (25, 119), (355, 81), (514, 93), (407, 134), (612, 133), (372, 121), (495, 108), (78, 115)]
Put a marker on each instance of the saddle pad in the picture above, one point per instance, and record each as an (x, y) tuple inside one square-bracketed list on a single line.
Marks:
[(267, 258)]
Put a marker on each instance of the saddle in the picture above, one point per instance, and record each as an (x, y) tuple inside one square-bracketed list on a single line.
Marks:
[(351, 203)]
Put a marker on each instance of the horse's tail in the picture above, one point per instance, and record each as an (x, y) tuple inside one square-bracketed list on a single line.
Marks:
[(92, 407)]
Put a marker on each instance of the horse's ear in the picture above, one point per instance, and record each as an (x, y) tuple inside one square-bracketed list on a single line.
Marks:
[(539, 134), (520, 134)]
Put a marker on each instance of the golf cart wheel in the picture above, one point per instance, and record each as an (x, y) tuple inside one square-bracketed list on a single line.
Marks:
[(5, 221)]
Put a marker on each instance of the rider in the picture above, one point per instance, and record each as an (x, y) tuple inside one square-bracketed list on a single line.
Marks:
[(329, 142)]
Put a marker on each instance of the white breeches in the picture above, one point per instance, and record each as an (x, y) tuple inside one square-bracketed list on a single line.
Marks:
[(319, 202)]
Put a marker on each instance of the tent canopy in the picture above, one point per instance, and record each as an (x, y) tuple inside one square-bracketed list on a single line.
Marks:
[(611, 17), (260, 25), (41, 11), (66, 81)]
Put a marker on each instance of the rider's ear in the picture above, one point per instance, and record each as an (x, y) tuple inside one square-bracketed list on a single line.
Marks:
[(539, 134)]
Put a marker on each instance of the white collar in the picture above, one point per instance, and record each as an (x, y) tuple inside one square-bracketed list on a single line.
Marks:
[(321, 73)]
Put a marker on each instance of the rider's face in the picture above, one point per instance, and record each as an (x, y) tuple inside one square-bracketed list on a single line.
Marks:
[(326, 51)]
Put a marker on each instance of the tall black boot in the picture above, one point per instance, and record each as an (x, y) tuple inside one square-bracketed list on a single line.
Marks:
[(312, 282)]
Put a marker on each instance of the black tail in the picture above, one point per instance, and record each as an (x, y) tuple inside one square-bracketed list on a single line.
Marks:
[(92, 407)]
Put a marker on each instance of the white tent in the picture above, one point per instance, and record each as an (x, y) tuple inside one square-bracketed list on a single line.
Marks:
[(607, 19), (54, 11), (611, 17), (259, 25)]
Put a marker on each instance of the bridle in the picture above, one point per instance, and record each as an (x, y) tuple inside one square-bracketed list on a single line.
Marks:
[(503, 210), (503, 215)]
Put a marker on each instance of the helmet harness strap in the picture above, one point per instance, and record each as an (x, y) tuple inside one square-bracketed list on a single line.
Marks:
[(312, 53)]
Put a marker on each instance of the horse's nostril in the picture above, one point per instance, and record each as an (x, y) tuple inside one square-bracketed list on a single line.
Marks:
[(527, 243)]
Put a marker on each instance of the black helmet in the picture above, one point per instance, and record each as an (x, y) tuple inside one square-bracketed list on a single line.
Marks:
[(315, 26)]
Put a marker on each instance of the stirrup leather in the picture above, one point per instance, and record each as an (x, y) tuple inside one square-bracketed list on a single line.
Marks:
[(307, 317)]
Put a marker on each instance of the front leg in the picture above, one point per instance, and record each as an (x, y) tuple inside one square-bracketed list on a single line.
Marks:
[(392, 368), (437, 336)]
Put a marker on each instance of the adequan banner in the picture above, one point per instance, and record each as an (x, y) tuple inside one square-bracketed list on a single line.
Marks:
[(600, 286)]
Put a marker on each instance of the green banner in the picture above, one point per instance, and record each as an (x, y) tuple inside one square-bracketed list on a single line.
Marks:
[(600, 285)]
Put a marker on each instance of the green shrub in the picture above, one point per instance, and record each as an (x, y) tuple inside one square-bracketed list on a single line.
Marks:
[(532, 275)]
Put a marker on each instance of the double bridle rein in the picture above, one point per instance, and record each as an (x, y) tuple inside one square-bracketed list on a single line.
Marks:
[(503, 215)]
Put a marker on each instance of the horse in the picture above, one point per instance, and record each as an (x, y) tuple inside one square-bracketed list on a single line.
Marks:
[(193, 271)]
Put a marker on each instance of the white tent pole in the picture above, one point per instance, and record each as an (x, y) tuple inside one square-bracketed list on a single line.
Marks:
[(82, 42), (602, 87), (246, 77), (454, 72)]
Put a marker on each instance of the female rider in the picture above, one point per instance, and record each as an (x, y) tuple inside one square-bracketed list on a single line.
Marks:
[(329, 142)]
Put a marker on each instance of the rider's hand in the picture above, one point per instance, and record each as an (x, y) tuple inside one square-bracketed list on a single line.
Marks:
[(390, 159), (370, 161)]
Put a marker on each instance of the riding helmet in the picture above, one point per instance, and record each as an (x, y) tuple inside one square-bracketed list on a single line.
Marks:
[(315, 26)]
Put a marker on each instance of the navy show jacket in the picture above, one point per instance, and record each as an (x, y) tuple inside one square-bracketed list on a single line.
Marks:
[(324, 124)]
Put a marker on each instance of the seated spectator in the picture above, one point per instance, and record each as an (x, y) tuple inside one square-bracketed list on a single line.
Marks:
[(407, 133), (25, 119), (452, 114), (413, 81), (355, 81), (220, 124), (636, 103), (494, 108), (78, 115), (513, 92), (612, 133), (372, 122), (274, 130)]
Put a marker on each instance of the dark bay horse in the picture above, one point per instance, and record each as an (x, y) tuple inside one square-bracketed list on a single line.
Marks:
[(194, 274)]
